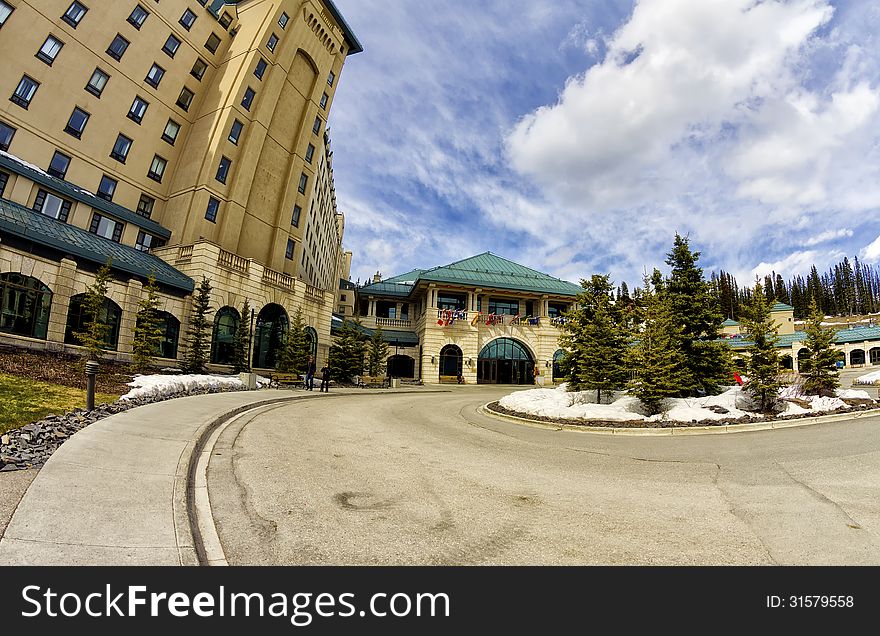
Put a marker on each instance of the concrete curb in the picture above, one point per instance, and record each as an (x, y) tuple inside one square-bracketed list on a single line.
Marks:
[(679, 431)]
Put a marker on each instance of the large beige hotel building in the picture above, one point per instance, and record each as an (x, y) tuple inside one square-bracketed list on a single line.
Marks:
[(179, 138)]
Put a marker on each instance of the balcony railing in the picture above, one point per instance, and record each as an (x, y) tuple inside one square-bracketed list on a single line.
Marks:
[(391, 322), (233, 262), (315, 295), (185, 252), (271, 277)]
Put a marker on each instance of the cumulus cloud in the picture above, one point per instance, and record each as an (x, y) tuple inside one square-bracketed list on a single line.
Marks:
[(872, 252), (828, 236)]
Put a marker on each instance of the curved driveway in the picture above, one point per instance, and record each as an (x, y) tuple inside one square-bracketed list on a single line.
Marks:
[(423, 478)]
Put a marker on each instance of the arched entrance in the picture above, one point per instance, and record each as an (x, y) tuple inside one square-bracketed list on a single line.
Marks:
[(24, 306), (450, 361), (312, 335), (270, 335), (803, 357), (223, 342), (505, 361), (557, 365), (401, 367), (857, 357), (875, 355)]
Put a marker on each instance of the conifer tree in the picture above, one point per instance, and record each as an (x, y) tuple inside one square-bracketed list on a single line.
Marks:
[(377, 354), (347, 353), (147, 332), (295, 355), (820, 365), (240, 362), (763, 364), (96, 330), (198, 340)]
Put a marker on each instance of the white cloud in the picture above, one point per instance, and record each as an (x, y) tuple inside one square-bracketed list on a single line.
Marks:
[(872, 252), (828, 236)]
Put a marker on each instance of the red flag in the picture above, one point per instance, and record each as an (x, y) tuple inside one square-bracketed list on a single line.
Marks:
[(738, 379)]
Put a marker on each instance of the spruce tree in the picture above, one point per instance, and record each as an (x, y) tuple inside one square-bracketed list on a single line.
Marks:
[(147, 332), (198, 335), (347, 353), (240, 362), (820, 365), (763, 364), (96, 330), (295, 355), (377, 354)]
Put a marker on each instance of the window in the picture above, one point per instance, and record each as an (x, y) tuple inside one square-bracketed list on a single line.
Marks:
[(272, 43), (145, 206), (4, 179), (187, 19), (147, 241), (138, 109), (138, 17), (331, 78), (155, 75), (199, 68), (107, 188), (324, 99), (172, 129), (316, 127), (97, 82), (108, 228), (157, 168), (51, 205), (297, 212), (260, 69), (117, 47), (248, 98), (50, 49), (213, 208), (171, 46), (283, 20), (59, 165), (223, 169), (310, 153), (303, 182), (72, 16), (213, 42), (6, 11), (186, 98), (77, 122), (24, 92), (225, 20), (7, 132), (25, 304), (77, 317), (291, 246), (235, 133), (121, 148)]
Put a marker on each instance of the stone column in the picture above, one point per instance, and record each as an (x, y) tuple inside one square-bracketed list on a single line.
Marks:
[(62, 291), (372, 307), (398, 311)]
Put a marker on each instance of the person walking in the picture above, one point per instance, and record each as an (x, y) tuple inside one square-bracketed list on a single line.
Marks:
[(325, 379), (310, 374)]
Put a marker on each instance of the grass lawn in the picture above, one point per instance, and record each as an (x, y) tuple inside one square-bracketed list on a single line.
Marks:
[(23, 401)]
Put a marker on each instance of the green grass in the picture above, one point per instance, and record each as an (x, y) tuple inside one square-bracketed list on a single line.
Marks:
[(23, 401)]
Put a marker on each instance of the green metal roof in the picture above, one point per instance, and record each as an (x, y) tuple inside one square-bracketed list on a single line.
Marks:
[(408, 278), (843, 336), (25, 223), (782, 307), (730, 323), (387, 289)]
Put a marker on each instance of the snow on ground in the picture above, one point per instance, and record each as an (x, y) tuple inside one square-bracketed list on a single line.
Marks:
[(870, 378), (163, 385), (853, 394)]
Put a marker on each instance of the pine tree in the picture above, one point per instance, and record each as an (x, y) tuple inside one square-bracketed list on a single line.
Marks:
[(240, 362), (347, 353), (198, 340), (96, 330), (147, 332), (763, 364), (820, 365), (377, 354), (295, 355)]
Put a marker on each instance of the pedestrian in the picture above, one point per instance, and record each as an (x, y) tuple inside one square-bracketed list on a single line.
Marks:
[(310, 374), (325, 379)]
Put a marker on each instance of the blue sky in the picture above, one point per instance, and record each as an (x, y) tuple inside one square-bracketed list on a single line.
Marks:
[(577, 136)]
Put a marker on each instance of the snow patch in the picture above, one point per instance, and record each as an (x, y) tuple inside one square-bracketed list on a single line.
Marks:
[(870, 378), (165, 385)]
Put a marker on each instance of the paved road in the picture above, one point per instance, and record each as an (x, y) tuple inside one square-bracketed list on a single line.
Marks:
[(425, 479)]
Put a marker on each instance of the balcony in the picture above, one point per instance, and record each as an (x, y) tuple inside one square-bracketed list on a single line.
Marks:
[(278, 279), (393, 323), (314, 295), (233, 262)]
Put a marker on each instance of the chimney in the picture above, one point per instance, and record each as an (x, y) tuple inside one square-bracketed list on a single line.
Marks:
[(377, 278)]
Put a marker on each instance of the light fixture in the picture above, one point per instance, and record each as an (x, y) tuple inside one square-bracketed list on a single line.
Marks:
[(548, 364), (432, 359)]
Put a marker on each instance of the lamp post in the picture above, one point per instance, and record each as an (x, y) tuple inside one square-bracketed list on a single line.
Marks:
[(92, 367)]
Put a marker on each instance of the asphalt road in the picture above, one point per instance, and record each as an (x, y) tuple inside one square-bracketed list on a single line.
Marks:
[(423, 478)]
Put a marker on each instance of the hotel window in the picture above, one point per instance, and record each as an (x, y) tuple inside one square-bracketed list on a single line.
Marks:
[(107, 188), (223, 169), (235, 132), (283, 20), (108, 228), (97, 82), (24, 92), (291, 246), (74, 14), (297, 212), (272, 43), (248, 98), (316, 127), (225, 20), (199, 68), (172, 129), (186, 98), (155, 75), (213, 208), (260, 69), (4, 179), (331, 78), (310, 153), (59, 165), (117, 47), (145, 242), (145, 206), (52, 205), (171, 46), (157, 168), (213, 42), (6, 10), (187, 19), (121, 148), (77, 122), (138, 109), (7, 132), (303, 182), (324, 99), (138, 17), (50, 49)]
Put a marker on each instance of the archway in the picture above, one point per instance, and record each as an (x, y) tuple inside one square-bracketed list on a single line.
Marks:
[(786, 362), (558, 357), (270, 335), (312, 335), (450, 361), (803, 357), (169, 327), (401, 366), (25, 303), (505, 361), (875, 355), (857, 357), (77, 318), (226, 323)]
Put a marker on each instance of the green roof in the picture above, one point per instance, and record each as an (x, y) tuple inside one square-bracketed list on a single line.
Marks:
[(782, 307), (730, 323), (24, 223), (843, 336), (408, 278)]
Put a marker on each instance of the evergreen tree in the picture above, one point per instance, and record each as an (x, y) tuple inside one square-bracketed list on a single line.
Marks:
[(147, 332), (763, 364), (198, 335), (295, 355), (240, 362), (820, 365), (96, 328), (377, 354), (347, 353)]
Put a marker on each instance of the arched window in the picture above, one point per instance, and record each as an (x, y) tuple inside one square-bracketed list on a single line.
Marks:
[(857, 357), (270, 335), (875, 355), (25, 303), (505, 349), (223, 340), (313, 342), (400, 366), (557, 364), (450, 361), (110, 314), (505, 361), (169, 326)]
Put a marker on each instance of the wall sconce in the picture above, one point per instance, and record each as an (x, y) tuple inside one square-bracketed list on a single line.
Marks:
[(432, 359), (470, 362), (548, 364)]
